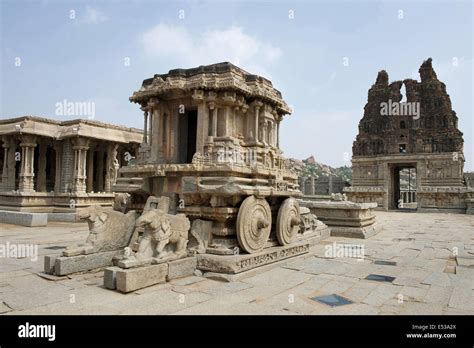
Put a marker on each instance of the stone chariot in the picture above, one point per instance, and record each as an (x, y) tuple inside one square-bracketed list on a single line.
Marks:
[(211, 144)]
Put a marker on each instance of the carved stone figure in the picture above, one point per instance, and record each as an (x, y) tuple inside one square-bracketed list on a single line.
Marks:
[(201, 230), (309, 222), (115, 171), (122, 202), (338, 197), (165, 235), (198, 158), (108, 230)]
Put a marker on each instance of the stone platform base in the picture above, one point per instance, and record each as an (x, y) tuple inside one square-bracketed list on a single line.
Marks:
[(131, 279), (322, 232), (355, 232), (23, 219), (234, 264), (345, 218), (63, 217), (64, 265)]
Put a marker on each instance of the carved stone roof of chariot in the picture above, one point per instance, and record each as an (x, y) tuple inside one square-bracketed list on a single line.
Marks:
[(215, 77)]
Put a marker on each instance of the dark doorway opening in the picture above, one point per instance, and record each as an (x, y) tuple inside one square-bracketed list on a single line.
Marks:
[(187, 136), (95, 165), (192, 130), (404, 180), (17, 167), (50, 168)]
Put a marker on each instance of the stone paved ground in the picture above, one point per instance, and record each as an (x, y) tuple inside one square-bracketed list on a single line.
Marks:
[(422, 246)]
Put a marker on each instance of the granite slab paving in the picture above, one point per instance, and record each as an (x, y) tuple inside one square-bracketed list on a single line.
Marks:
[(420, 244)]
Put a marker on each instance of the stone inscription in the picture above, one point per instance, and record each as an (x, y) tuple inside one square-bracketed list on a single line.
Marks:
[(260, 260)]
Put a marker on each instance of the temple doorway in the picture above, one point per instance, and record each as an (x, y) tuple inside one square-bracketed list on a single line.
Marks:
[(404, 187), (187, 136)]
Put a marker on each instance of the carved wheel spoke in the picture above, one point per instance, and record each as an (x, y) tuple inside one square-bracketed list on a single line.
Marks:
[(254, 222), (288, 221)]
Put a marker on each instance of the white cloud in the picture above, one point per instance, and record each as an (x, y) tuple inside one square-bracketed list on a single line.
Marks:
[(163, 40), (93, 16), (212, 46)]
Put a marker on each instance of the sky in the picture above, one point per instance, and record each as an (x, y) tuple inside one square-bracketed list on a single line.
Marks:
[(322, 55)]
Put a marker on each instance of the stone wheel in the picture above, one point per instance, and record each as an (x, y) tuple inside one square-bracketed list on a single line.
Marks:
[(254, 222), (288, 221)]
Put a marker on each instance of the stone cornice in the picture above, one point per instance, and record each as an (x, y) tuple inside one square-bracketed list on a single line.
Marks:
[(69, 122), (422, 156), (72, 128)]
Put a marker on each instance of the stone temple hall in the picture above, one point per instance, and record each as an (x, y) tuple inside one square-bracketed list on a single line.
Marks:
[(53, 166)]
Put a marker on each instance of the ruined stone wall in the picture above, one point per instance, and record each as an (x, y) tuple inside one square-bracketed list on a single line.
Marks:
[(325, 185)]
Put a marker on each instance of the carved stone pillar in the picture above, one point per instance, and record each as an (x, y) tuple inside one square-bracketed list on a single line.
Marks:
[(145, 125), (28, 144), (227, 121), (270, 133), (58, 147), (202, 126), (150, 126), (166, 133), (90, 170), (155, 139), (311, 188), (100, 169), (41, 185), (161, 141), (80, 147), (172, 135), (8, 173), (151, 108), (235, 113), (214, 109), (111, 174), (264, 132), (6, 147), (278, 134), (302, 183), (257, 110)]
